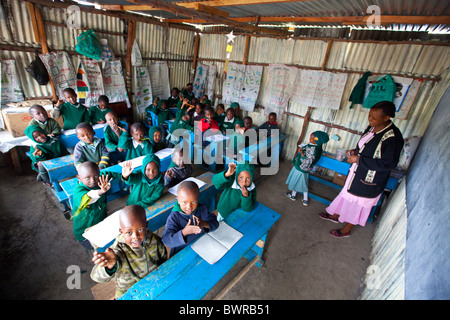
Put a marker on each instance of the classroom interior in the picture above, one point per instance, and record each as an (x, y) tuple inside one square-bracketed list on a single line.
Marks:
[(400, 254)]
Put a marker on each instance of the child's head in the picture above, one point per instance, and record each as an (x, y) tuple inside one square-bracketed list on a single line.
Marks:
[(186, 117), (39, 136), (188, 194), (220, 108), (177, 157), (209, 113), (150, 166), (103, 102), (244, 174), (189, 87), (175, 91), (137, 131), (155, 134), (85, 132), (133, 225), (111, 118), (272, 117), (248, 122), (70, 95), (38, 112), (204, 98), (230, 113), (88, 174), (236, 107), (199, 107), (319, 137), (163, 104)]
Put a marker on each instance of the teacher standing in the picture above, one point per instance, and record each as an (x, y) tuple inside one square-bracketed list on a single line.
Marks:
[(376, 154)]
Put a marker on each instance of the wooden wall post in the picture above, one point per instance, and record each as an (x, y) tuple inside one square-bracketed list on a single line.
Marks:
[(40, 36), (130, 41), (195, 60)]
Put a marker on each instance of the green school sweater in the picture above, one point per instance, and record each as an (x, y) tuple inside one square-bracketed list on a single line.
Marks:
[(96, 114), (179, 123), (231, 197), (85, 213), (156, 146), (111, 138), (163, 115), (51, 126), (73, 115), (96, 152), (51, 149), (126, 142), (145, 192)]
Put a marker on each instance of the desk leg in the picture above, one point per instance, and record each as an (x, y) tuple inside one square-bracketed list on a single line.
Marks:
[(16, 160), (257, 250)]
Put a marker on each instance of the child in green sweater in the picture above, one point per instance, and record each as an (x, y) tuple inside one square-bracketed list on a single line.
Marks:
[(239, 191), (40, 118), (89, 200), (156, 139), (97, 113), (45, 148), (72, 112), (112, 133), (136, 145), (90, 147)]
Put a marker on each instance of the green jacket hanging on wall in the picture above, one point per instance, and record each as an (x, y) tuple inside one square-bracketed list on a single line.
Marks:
[(382, 90)]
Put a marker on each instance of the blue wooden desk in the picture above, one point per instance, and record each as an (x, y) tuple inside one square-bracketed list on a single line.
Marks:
[(187, 276), (59, 169), (251, 152), (69, 138), (328, 161)]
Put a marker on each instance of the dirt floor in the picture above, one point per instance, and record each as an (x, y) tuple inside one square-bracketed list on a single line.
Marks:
[(39, 257)]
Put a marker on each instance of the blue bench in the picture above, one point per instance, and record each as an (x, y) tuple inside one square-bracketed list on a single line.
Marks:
[(328, 161), (69, 138), (187, 276)]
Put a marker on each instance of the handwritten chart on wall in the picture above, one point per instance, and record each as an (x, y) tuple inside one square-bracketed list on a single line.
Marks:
[(61, 70), (200, 80), (319, 89), (89, 82), (250, 87), (10, 85), (233, 82), (159, 79), (114, 82), (143, 88), (280, 88)]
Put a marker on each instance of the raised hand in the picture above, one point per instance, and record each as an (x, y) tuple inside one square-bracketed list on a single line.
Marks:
[(105, 259), (104, 183), (127, 169), (231, 170), (190, 228)]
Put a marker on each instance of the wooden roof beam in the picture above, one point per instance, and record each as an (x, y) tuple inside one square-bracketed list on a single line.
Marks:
[(229, 3)]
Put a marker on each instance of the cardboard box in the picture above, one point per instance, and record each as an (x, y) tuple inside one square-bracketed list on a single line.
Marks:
[(17, 118), (339, 179)]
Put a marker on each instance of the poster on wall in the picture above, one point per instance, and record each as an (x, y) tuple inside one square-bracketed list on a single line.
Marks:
[(142, 88), (211, 81), (159, 79), (10, 84), (114, 82), (250, 87), (319, 89), (233, 82), (280, 88), (61, 70), (200, 80), (107, 53), (89, 82)]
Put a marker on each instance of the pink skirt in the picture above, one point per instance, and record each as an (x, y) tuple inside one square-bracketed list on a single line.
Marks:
[(351, 208)]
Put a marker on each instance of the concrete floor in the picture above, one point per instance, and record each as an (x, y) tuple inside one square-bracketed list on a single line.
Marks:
[(302, 260)]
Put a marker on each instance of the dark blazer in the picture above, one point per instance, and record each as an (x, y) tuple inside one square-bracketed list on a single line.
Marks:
[(377, 157)]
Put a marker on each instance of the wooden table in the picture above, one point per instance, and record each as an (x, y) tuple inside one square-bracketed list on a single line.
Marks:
[(187, 276)]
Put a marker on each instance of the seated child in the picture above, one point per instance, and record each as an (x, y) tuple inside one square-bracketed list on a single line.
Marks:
[(187, 92), (188, 220), (40, 118), (152, 108), (89, 200), (237, 113), (45, 148), (90, 147), (164, 114), (136, 145), (148, 182), (97, 113), (205, 123), (205, 101), (156, 139), (305, 160), (220, 114), (243, 136), (198, 113), (183, 122), (270, 124), (178, 170), (136, 253), (174, 98), (72, 112), (239, 191), (112, 134), (229, 122)]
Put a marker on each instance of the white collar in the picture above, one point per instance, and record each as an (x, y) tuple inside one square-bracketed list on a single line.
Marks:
[(236, 186), (136, 144), (226, 119)]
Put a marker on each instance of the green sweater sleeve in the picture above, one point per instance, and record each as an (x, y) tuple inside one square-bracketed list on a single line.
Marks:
[(156, 194), (221, 182)]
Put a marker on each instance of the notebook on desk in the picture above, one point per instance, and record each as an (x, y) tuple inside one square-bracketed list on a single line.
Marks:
[(214, 245)]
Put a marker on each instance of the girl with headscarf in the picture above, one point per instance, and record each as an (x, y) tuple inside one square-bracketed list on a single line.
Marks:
[(44, 148), (305, 160), (239, 190), (156, 139), (375, 155)]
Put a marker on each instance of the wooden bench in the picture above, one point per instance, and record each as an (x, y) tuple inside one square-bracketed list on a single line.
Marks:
[(187, 276), (328, 161)]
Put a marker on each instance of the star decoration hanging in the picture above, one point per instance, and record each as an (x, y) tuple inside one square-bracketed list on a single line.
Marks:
[(231, 37)]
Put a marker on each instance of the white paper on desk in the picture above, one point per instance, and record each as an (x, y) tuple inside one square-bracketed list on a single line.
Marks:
[(104, 232), (136, 162), (200, 184), (161, 154), (164, 153), (216, 138), (214, 245)]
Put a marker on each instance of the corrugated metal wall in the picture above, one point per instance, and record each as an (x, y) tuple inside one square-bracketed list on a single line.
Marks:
[(385, 277), (413, 60)]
